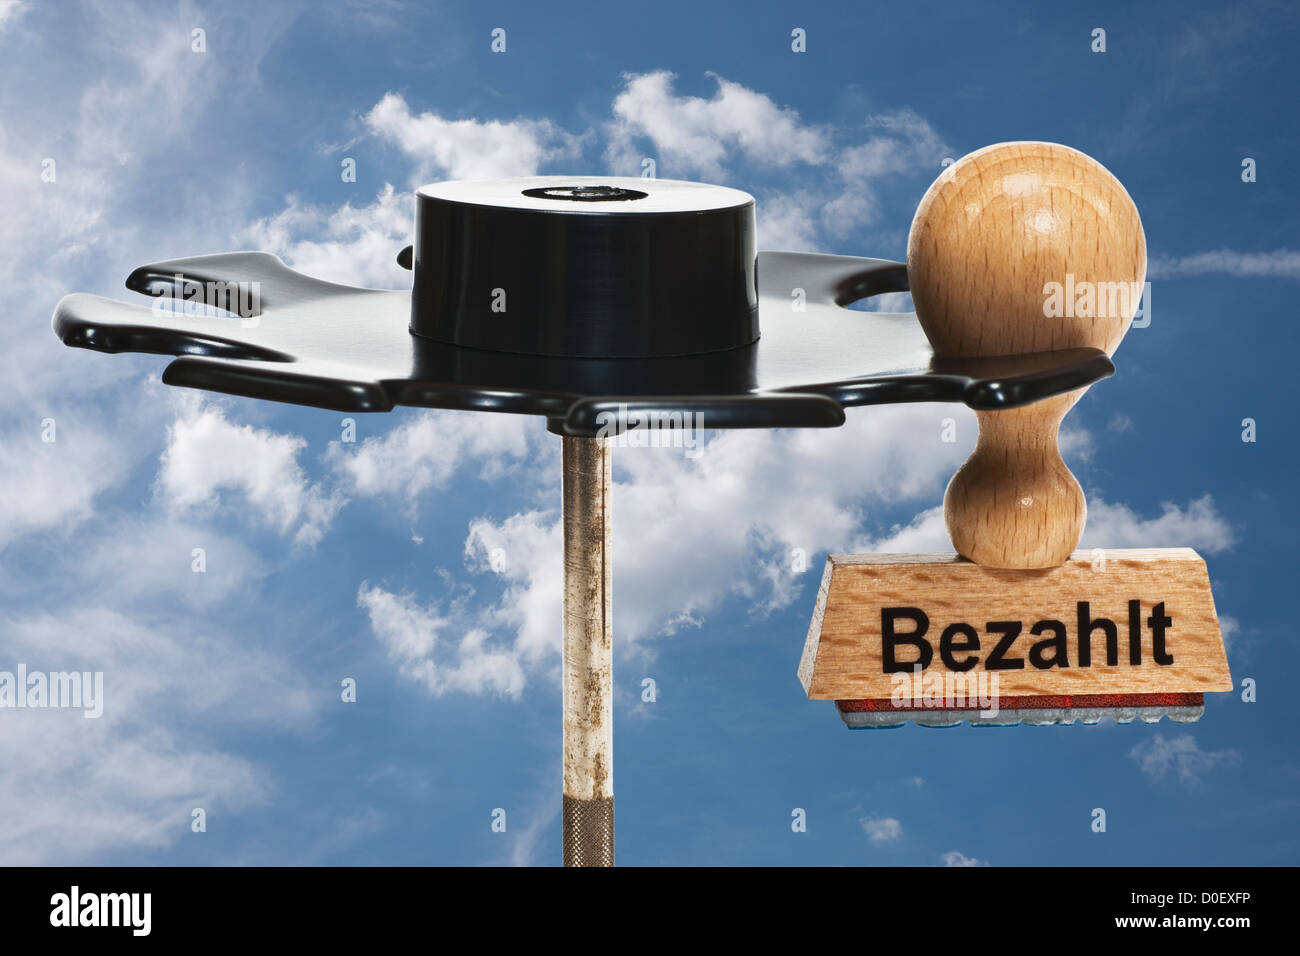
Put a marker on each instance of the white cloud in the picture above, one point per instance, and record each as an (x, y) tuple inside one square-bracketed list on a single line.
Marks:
[(955, 858), (688, 531), (164, 660), (427, 450), (207, 455), (10, 11), (788, 222), (75, 223), (882, 829), (1198, 525), (121, 184), (1120, 422), (900, 143), (350, 245), (693, 135), (49, 485), (137, 559), (75, 787), (526, 845), (925, 533), (1276, 264), (1076, 444), (73, 792), (412, 634), (691, 531), (343, 833), (1181, 756), (468, 148), (531, 546), (1229, 628)]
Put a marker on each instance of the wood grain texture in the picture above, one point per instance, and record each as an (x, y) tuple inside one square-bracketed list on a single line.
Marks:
[(1014, 503), (990, 236), (999, 224), (845, 658)]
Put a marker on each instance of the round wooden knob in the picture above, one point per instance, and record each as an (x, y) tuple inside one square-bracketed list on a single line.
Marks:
[(1015, 248)]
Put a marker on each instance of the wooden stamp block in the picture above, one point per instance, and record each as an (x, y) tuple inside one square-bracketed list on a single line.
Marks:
[(939, 632)]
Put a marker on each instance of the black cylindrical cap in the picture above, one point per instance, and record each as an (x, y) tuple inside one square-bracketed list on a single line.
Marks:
[(586, 266)]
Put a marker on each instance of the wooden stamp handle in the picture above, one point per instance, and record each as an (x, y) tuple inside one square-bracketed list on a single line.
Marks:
[(1014, 504), (1018, 248)]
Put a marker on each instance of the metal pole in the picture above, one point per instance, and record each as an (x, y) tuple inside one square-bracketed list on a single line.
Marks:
[(588, 689)]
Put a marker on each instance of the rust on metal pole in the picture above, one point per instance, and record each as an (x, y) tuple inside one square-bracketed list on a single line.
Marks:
[(588, 690)]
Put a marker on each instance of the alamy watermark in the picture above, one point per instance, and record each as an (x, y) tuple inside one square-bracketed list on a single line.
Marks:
[(22, 689), (211, 299), (1084, 299), (133, 911), (948, 691), (650, 428)]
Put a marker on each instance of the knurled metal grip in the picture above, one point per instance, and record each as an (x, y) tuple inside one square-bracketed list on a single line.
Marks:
[(588, 832)]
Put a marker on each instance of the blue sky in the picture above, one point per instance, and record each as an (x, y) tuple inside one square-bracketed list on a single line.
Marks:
[(371, 560)]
